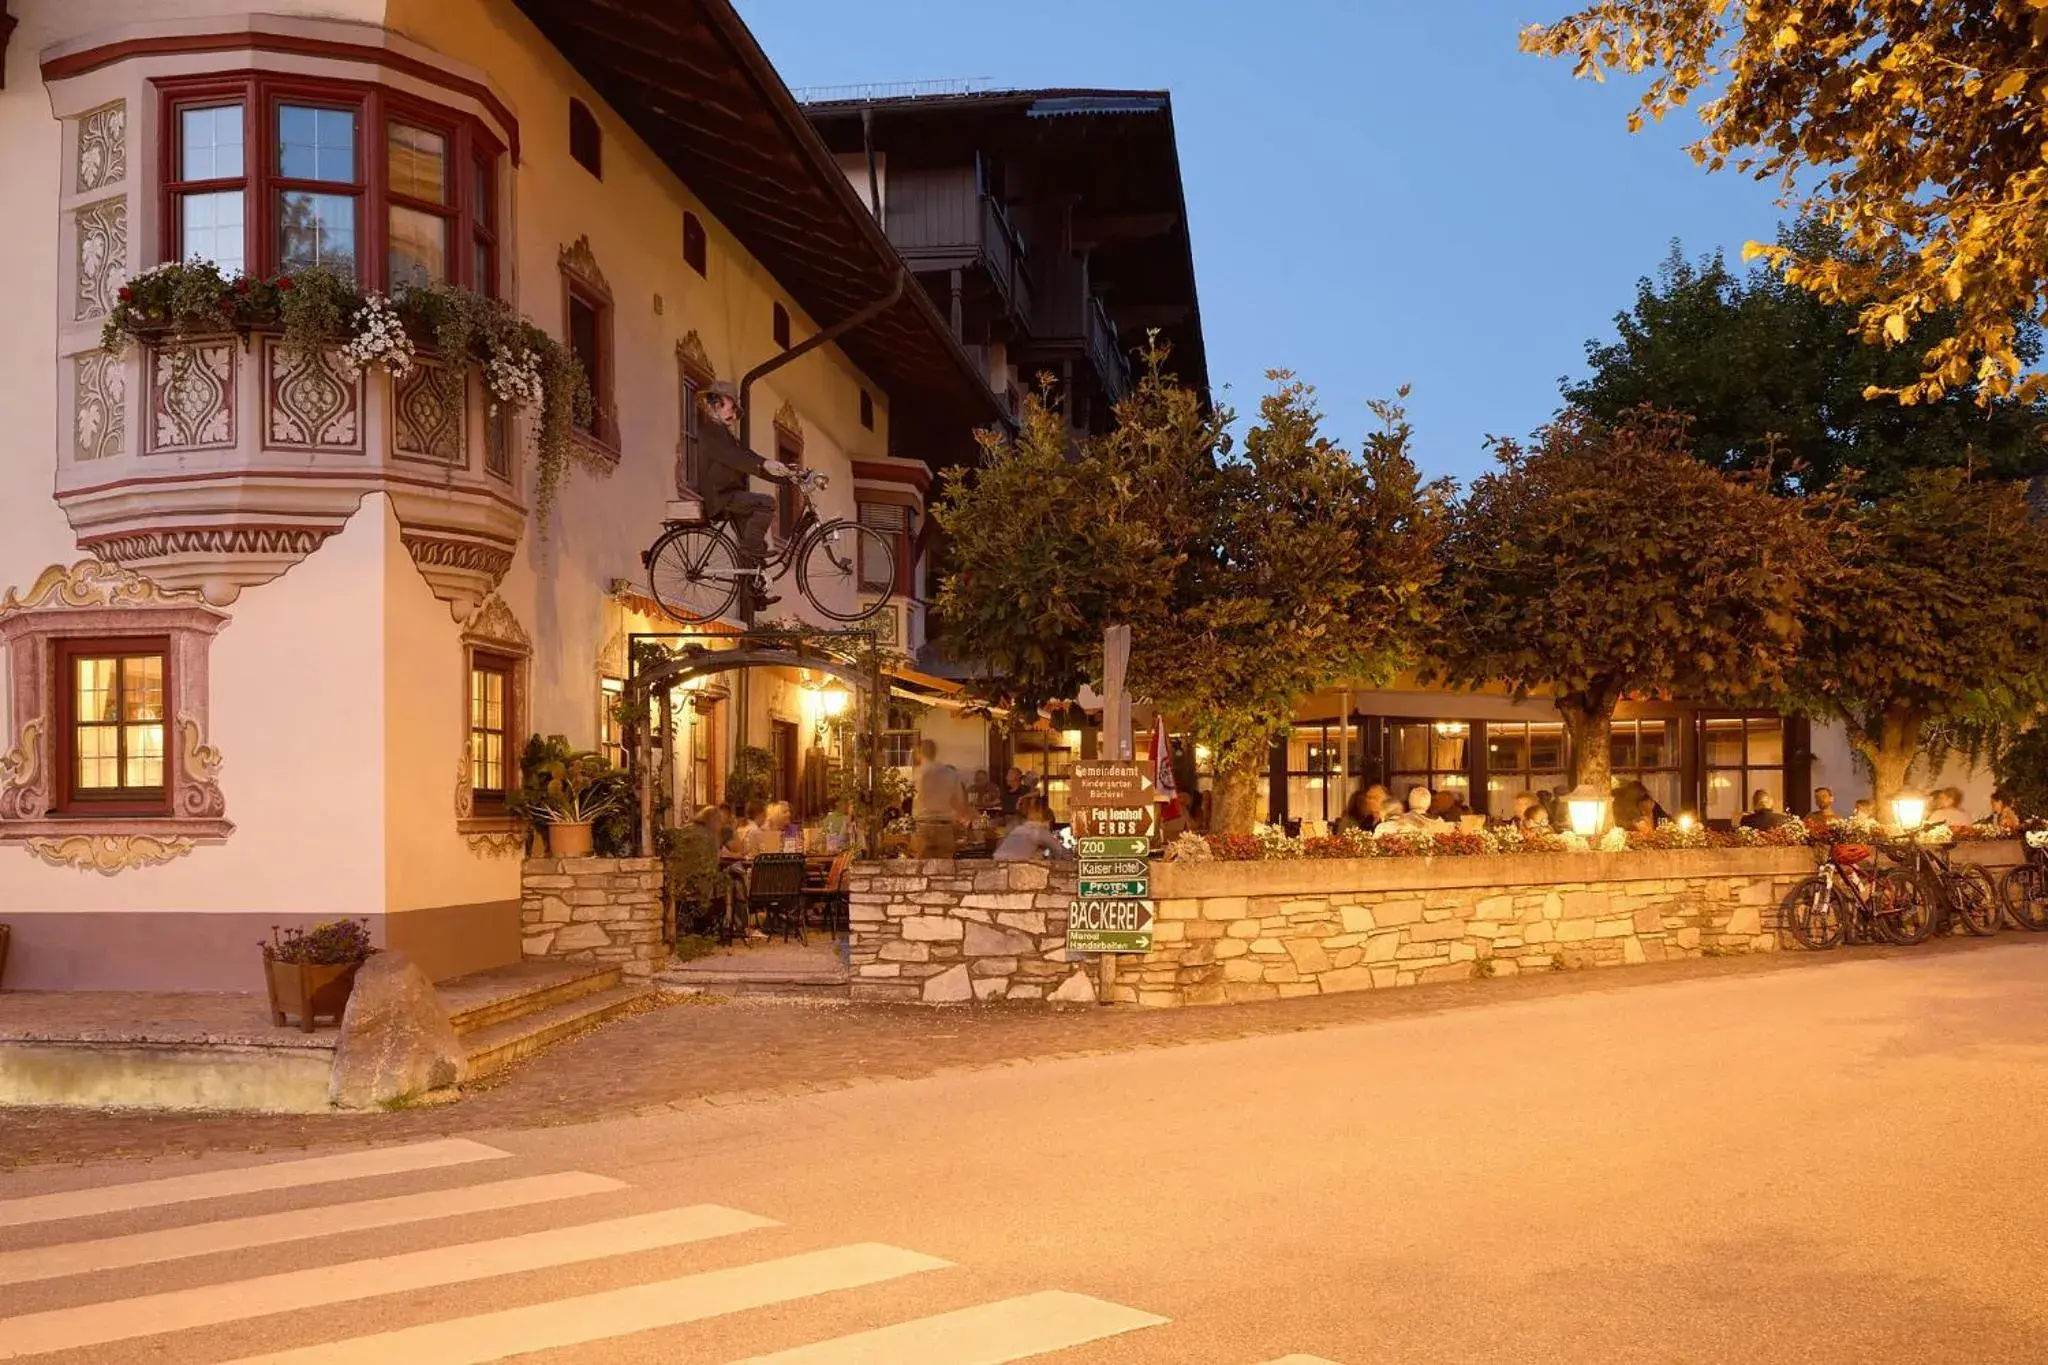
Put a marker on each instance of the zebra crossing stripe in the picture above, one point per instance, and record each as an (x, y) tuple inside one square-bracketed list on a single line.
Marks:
[(617, 1312), (97, 1324), (278, 1175), (989, 1334), (270, 1229)]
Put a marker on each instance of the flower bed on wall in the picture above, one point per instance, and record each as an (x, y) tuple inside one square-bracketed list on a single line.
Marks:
[(1271, 843)]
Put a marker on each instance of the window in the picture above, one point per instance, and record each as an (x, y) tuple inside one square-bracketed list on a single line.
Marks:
[(587, 320), (1049, 756), (780, 323), (692, 444), (490, 722), (867, 410), (1317, 787), (611, 730), (694, 248), (208, 185), (893, 521), (899, 740), (1524, 756), (586, 139), (111, 699), (789, 504), (1432, 754), (1648, 751), (268, 175), (1741, 755), (317, 187)]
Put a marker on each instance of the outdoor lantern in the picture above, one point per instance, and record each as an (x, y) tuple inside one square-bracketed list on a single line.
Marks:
[(1685, 821), (1909, 810), (834, 701), (1588, 808)]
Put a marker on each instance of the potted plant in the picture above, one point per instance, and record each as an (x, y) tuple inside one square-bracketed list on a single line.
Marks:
[(310, 972), (575, 792)]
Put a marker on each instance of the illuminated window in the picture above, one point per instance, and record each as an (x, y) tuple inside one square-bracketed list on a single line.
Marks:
[(114, 724), (490, 720), (611, 730)]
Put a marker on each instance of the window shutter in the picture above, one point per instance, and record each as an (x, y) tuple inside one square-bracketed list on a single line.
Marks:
[(893, 521)]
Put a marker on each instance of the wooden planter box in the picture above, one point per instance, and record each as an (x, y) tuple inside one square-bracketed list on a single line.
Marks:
[(308, 990)]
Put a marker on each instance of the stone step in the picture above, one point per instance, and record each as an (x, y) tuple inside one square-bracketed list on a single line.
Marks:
[(516, 1000), (738, 980), (497, 1046)]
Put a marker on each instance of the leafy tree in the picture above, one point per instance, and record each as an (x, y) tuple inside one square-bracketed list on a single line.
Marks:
[(1915, 128), (1933, 622), (2022, 769), (1249, 579), (1603, 562), (1774, 379)]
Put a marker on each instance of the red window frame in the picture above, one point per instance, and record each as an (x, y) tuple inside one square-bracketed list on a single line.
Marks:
[(128, 801), (471, 212)]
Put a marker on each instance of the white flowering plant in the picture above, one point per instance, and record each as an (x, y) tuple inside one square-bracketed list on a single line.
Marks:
[(1190, 847), (378, 340)]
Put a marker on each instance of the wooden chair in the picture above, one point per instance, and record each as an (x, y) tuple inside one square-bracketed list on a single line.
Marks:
[(775, 891), (831, 895)]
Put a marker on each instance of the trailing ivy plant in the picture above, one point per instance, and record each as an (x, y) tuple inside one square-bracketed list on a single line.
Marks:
[(318, 310)]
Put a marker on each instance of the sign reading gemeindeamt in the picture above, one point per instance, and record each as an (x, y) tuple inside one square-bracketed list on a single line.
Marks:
[(1113, 822)]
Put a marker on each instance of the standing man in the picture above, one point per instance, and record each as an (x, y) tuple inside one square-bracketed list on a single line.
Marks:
[(728, 490), (941, 805)]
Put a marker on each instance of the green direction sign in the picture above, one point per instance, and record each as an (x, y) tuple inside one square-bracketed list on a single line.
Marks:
[(1097, 847), (1135, 888), (1109, 925)]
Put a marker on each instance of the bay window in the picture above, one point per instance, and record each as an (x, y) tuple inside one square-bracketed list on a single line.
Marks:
[(271, 174), (892, 520)]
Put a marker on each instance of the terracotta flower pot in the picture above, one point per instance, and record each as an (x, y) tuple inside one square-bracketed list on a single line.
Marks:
[(569, 839), (308, 990)]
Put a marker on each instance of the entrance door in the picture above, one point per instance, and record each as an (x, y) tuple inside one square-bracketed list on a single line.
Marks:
[(782, 744)]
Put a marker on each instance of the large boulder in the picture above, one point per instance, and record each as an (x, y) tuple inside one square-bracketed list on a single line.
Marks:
[(396, 1040)]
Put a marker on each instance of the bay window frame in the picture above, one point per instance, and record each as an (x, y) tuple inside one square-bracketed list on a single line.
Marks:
[(472, 210)]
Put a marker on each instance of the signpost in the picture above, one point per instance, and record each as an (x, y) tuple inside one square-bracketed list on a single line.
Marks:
[(1113, 822)]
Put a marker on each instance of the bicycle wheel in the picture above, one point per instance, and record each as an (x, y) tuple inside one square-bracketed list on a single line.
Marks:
[(1813, 914), (2025, 894), (694, 572), (1975, 899), (1901, 908), (839, 558)]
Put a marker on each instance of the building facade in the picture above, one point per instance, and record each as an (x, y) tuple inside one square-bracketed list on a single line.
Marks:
[(273, 633)]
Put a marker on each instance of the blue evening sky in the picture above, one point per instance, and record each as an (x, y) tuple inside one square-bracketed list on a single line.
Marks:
[(1380, 192)]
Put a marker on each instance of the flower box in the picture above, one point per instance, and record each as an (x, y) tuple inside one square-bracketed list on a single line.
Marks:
[(308, 990)]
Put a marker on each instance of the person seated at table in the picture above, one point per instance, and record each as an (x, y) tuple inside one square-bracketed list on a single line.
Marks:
[(1364, 811), (1644, 821), (2005, 816), (1418, 817), (1864, 809), (1016, 786), (1763, 812), (1448, 807), (1947, 808), (1536, 817), (839, 825), (983, 796), (772, 834), (742, 843), (1032, 839)]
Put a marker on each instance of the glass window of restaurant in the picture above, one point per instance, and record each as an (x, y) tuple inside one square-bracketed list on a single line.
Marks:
[(1436, 754), (1524, 756), (1048, 756), (1648, 750), (1315, 751), (1741, 755)]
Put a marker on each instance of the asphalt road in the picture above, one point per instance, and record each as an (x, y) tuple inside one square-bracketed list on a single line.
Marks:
[(1837, 1164)]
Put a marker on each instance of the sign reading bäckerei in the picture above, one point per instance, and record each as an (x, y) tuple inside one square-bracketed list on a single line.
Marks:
[(1098, 924)]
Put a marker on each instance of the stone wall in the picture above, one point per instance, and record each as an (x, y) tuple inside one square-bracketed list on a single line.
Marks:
[(942, 932), (599, 910)]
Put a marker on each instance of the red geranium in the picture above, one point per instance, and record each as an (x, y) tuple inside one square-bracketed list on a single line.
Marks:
[(124, 293), (284, 284)]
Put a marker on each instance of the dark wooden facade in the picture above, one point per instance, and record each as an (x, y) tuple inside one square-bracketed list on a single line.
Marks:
[(1050, 223)]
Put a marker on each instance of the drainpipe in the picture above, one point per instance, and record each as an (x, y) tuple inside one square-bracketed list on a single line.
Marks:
[(809, 344)]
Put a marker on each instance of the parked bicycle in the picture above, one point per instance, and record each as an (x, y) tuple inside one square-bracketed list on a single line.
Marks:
[(697, 569), (1849, 900), (1960, 896), (2024, 889)]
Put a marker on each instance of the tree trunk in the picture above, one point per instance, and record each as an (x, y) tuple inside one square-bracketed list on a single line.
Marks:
[(1589, 722), (1891, 757), (1236, 798)]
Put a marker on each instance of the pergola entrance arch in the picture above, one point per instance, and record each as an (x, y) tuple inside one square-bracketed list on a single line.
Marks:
[(687, 654)]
